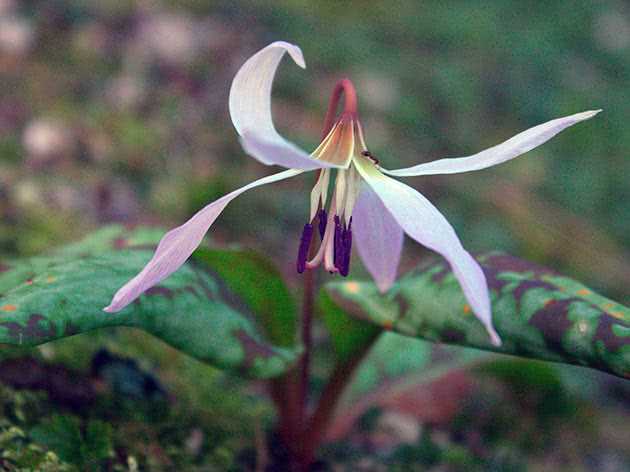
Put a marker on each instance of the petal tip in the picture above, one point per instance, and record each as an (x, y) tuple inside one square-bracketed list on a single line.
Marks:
[(384, 286), (494, 337), (585, 115), (294, 51)]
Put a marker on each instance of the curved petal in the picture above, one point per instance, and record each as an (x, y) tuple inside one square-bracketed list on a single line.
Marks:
[(378, 237), (424, 223), (513, 147), (250, 94), (178, 244), (250, 109)]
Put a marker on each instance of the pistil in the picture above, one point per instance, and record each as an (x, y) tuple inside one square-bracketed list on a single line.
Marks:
[(322, 223), (325, 251)]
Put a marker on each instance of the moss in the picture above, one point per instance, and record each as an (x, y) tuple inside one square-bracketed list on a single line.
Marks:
[(18, 452), (201, 420)]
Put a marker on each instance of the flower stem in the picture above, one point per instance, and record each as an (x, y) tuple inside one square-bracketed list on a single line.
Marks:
[(307, 342), (350, 103), (327, 404)]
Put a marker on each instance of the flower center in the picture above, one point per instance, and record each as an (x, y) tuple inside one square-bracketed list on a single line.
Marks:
[(334, 224), (343, 141)]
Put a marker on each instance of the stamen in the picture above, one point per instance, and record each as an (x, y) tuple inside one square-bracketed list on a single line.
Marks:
[(338, 146), (323, 217), (305, 244), (338, 243), (324, 252), (329, 257), (319, 193), (344, 268)]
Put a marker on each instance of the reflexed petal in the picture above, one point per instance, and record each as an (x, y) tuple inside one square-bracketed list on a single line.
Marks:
[(250, 109), (178, 244), (424, 223), (513, 147), (378, 237), (250, 94)]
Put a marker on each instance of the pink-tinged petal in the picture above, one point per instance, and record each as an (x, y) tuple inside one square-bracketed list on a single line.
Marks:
[(424, 223), (513, 147), (250, 109), (378, 238), (178, 244)]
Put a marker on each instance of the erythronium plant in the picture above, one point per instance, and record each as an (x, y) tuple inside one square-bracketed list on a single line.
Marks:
[(365, 202)]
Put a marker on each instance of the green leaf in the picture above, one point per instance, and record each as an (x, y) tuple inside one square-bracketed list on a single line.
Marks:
[(393, 357), (46, 298), (394, 367), (258, 283), (391, 365), (537, 313), (349, 335)]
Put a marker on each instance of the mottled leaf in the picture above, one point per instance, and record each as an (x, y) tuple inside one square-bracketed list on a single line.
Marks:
[(404, 374), (537, 313), (46, 298), (395, 371), (259, 284), (349, 336)]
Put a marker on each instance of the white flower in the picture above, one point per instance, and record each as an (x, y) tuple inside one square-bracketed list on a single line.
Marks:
[(365, 202)]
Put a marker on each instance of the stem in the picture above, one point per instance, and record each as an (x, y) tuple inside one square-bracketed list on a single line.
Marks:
[(290, 392), (307, 341), (283, 391), (342, 375)]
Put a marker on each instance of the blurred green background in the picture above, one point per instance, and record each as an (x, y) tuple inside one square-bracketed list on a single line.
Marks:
[(116, 111)]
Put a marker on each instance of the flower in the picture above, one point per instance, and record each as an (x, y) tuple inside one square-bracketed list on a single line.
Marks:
[(366, 201)]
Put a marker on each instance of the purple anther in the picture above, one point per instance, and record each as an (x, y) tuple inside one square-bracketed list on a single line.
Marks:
[(305, 244), (323, 218), (338, 243), (347, 248)]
